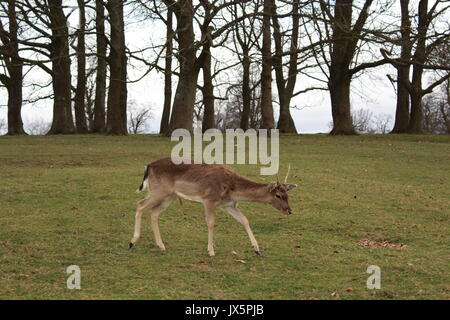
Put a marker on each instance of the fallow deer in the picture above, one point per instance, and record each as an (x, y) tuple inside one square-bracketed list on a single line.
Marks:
[(215, 186)]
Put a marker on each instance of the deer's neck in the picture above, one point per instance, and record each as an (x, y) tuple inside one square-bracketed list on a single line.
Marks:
[(247, 190)]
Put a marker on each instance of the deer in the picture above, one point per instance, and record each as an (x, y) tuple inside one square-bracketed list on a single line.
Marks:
[(213, 185)]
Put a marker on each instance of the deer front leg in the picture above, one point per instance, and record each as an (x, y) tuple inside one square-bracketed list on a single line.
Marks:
[(210, 221), (239, 216), (141, 205), (157, 204)]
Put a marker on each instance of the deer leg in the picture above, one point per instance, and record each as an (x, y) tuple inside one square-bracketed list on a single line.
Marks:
[(239, 216), (210, 220), (154, 215), (141, 205)]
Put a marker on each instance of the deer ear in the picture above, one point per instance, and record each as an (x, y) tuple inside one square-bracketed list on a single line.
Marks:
[(289, 186)]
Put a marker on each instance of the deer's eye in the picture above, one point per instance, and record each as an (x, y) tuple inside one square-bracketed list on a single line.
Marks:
[(278, 196)]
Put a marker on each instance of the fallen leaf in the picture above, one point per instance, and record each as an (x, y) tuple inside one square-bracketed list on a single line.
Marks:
[(349, 289)]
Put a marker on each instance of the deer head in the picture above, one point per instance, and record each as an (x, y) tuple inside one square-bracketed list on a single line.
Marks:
[(278, 194)]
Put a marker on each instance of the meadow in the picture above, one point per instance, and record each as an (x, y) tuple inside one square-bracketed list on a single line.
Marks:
[(362, 200)]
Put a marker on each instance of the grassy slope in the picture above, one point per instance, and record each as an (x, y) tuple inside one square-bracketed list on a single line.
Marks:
[(70, 200)]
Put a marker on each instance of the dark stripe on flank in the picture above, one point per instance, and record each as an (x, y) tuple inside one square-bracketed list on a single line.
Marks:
[(145, 177)]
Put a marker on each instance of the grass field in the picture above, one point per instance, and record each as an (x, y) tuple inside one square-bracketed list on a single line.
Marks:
[(70, 200)]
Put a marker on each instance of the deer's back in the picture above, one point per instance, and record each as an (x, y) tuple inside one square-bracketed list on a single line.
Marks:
[(194, 181)]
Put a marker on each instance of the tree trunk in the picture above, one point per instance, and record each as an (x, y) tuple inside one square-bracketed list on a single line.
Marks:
[(208, 96), (339, 86), (15, 70), (208, 89), (167, 75), (124, 93), (80, 113), (115, 123), (285, 122), (100, 80), (59, 52), (416, 120), (285, 87), (402, 109), (246, 91), (183, 104), (343, 48), (266, 73), (15, 123), (416, 93)]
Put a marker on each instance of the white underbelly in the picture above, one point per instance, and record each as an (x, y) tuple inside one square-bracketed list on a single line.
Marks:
[(189, 197)]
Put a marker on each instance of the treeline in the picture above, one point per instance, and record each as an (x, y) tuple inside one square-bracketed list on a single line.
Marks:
[(275, 50)]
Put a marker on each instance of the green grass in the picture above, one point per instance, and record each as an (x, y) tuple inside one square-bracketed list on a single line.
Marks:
[(70, 200)]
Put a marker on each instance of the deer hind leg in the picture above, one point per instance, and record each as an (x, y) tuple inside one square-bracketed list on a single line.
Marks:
[(210, 221), (154, 215), (239, 216)]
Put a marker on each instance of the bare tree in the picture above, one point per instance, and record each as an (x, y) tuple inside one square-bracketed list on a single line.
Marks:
[(100, 82), (286, 86), (80, 91), (361, 120), (90, 97), (61, 75), (268, 121), (245, 39), (382, 123), (137, 118), (116, 113), (344, 45), (207, 89), (425, 41), (402, 108), (167, 73), (436, 111), (13, 81), (182, 108)]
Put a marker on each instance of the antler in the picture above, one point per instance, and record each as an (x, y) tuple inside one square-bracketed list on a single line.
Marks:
[(287, 174)]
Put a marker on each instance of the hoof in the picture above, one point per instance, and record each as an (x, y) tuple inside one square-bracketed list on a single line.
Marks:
[(130, 245), (259, 253)]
